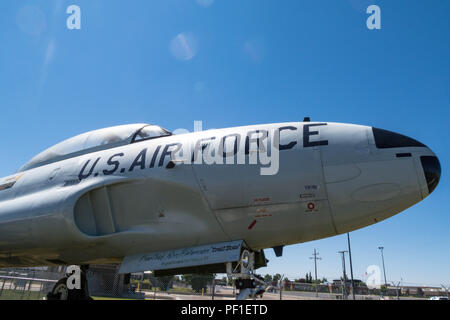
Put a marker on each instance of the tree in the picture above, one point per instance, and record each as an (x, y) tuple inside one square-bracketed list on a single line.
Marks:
[(268, 278), (276, 277), (198, 281), (308, 278), (164, 282)]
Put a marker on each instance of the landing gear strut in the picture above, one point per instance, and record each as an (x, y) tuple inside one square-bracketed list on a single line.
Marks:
[(73, 286), (249, 284)]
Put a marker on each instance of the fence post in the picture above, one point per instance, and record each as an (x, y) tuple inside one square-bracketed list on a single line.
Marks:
[(281, 289), (23, 291), (3, 285), (29, 289), (40, 290)]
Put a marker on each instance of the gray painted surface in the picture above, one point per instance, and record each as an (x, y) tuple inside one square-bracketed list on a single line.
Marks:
[(320, 191)]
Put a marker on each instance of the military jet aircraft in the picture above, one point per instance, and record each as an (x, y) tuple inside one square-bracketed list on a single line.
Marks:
[(205, 201)]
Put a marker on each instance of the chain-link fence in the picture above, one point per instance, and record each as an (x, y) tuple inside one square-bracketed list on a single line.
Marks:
[(35, 283), (105, 282), (343, 290), (196, 286), (28, 283)]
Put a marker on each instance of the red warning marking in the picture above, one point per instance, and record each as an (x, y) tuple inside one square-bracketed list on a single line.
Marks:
[(311, 206), (263, 215), (252, 225)]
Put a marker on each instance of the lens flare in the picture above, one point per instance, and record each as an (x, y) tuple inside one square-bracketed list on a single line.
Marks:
[(184, 46), (31, 20)]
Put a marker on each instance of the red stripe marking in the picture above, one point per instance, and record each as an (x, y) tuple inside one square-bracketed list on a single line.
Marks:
[(252, 225)]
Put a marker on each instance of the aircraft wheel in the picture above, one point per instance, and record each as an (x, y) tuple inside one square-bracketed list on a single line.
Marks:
[(60, 291)]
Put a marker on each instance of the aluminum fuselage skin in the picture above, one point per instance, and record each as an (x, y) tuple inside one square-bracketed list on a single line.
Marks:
[(102, 206)]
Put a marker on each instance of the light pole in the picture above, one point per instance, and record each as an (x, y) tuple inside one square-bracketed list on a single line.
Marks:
[(281, 286), (315, 257), (344, 285), (384, 269), (351, 267)]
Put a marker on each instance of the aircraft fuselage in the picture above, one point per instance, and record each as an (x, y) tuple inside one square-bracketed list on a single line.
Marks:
[(161, 194)]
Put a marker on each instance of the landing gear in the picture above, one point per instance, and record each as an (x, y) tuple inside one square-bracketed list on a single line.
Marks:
[(73, 286), (59, 291), (249, 284)]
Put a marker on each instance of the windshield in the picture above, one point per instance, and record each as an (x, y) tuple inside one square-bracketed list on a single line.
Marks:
[(150, 132), (95, 141)]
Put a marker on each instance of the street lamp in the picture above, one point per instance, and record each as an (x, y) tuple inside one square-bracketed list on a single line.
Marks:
[(344, 286), (384, 270)]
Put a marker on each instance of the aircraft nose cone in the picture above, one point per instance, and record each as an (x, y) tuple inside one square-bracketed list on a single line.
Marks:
[(385, 139), (432, 170)]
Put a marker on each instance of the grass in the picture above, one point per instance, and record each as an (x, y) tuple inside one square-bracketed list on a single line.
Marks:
[(110, 298), (17, 295), (171, 290), (8, 294), (181, 290)]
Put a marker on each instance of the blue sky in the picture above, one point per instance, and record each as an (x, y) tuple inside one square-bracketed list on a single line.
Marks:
[(230, 63)]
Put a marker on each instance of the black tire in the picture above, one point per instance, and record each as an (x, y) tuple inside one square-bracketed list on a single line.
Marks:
[(60, 291)]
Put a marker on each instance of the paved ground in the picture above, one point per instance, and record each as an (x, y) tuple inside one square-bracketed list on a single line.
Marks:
[(227, 293)]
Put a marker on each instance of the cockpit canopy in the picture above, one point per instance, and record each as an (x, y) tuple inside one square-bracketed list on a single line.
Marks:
[(95, 141)]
